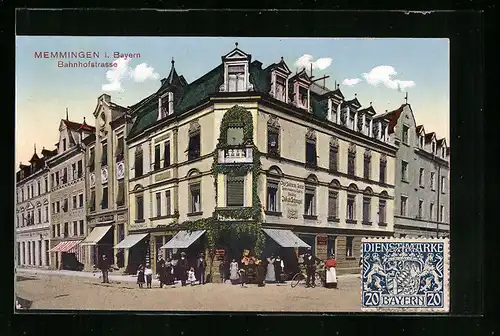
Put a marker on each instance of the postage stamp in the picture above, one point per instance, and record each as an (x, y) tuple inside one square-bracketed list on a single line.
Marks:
[(405, 274)]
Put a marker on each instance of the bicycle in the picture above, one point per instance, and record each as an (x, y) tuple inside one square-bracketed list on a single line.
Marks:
[(301, 276)]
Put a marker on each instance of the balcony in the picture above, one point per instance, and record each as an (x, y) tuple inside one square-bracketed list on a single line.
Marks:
[(236, 155)]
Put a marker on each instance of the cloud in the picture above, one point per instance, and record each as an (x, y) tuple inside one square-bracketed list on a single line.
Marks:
[(351, 81), (306, 60), (122, 70), (383, 74), (143, 72)]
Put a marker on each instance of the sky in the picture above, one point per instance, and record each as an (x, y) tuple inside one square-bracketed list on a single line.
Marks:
[(381, 71)]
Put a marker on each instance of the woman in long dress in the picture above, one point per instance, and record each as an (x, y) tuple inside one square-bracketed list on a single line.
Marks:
[(270, 274), (331, 272), (233, 272)]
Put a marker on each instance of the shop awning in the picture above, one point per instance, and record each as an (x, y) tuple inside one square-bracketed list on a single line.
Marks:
[(285, 238), (68, 246), (183, 239), (131, 240), (96, 235)]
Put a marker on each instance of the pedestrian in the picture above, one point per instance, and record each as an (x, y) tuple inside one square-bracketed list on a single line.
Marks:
[(234, 272), (331, 272), (175, 268), (104, 266), (169, 272), (310, 263), (148, 272), (278, 269), (222, 271), (140, 276), (162, 272), (270, 275), (201, 266), (261, 273), (191, 276), (183, 268)]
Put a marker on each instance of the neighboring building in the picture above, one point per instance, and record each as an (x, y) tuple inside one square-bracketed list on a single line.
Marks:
[(422, 178), (67, 199), (107, 212), (33, 211), (243, 145)]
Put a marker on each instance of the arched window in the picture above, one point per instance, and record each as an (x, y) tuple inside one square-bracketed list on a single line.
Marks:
[(273, 181), (333, 201), (310, 197)]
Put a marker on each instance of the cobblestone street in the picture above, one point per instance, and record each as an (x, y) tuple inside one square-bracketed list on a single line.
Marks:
[(66, 292)]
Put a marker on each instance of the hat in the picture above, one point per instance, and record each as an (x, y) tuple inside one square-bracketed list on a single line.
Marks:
[(183, 253)]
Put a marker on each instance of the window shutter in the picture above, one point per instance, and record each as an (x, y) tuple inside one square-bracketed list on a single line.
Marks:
[(235, 190)]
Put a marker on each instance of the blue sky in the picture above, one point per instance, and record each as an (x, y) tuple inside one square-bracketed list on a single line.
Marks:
[(44, 90)]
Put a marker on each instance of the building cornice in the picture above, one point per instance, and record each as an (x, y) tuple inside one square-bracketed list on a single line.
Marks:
[(33, 176), (61, 158)]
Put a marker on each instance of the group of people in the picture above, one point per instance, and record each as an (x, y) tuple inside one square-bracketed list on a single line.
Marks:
[(173, 269)]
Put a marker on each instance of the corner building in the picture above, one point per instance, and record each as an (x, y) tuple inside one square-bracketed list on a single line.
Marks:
[(245, 144), (422, 178), (33, 216)]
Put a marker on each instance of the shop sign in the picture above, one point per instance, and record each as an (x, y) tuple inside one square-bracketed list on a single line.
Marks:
[(322, 240), (292, 197), (106, 218), (219, 254)]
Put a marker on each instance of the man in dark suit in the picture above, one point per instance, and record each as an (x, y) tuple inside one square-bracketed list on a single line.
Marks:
[(183, 268), (201, 266), (310, 263), (104, 266)]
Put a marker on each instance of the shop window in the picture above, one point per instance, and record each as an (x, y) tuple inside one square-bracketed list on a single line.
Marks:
[(331, 245), (349, 247), (235, 190)]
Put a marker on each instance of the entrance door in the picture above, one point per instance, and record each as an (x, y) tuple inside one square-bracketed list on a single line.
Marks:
[(309, 240), (331, 245)]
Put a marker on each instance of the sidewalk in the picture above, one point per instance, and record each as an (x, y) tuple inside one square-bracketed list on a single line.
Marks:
[(96, 275)]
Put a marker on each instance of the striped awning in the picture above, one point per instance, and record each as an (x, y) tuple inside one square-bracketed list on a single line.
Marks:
[(285, 238), (69, 246)]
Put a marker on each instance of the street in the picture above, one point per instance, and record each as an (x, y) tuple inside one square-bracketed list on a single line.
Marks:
[(65, 292)]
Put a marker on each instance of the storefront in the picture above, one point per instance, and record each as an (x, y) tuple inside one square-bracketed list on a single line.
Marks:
[(136, 246), (189, 242), (68, 255), (100, 242)]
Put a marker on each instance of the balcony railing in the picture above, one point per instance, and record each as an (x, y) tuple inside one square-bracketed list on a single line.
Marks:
[(236, 155)]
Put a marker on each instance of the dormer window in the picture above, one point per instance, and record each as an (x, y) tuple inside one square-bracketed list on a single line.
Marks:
[(303, 98), (64, 145), (443, 152), (280, 88), (421, 141), (433, 147), (236, 78), (165, 105)]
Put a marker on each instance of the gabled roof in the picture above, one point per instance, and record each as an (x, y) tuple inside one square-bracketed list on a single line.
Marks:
[(441, 142), (302, 74), (173, 78), (236, 54), (369, 110), (34, 158), (74, 126), (429, 137), (354, 103), (419, 129), (280, 65)]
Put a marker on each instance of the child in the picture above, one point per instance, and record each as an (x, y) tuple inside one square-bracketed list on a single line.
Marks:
[(140, 276), (148, 272), (191, 277)]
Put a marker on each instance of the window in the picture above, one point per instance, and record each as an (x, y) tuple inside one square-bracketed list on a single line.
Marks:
[(351, 207), (331, 245), (443, 152), (22, 192), (234, 136), (74, 202), (311, 156), (420, 208), (104, 158), (58, 207), (195, 199), (39, 189), (164, 102), (138, 163), (73, 171), (194, 146), (433, 147), (273, 136), (80, 168), (432, 181), (403, 205), (168, 202), (120, 196), (431, 211), (404, 171), (32, 191), (166, 155), (272, 196), (104, 201), (82, 229), (334, 154), (39, 216), (46, 213), (58, 230), (421, 177), (443, 184), (366, 209), (119, 149), (75, 228), (158, 204), (421, 141), (92, 160), (139, 207), (157, 157), (333, 204), (351, 163), (349, 247), (235, 190), (280, 88), (64, 145), (406, 135), (381, 211), (236, 78), (92, 200), (303, 99), (66, 230), (441, 214), (80, 200), (367, 165), (310, 201), (57, 181)]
